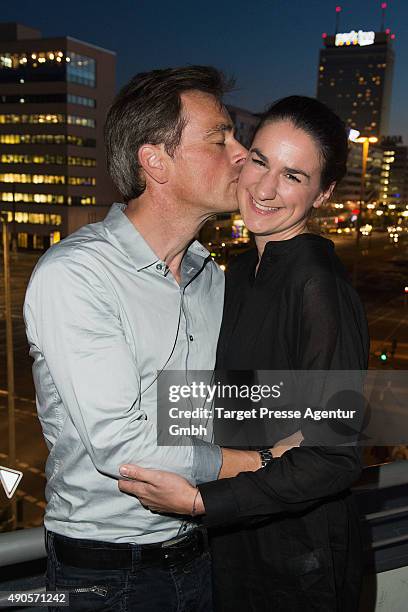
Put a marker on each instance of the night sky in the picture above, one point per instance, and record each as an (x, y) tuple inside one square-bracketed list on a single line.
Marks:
[(269, 46)]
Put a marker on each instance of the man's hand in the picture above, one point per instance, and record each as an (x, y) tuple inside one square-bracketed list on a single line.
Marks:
[(161, 491)]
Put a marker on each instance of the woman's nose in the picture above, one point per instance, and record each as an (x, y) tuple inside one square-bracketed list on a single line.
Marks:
[(266, 188)]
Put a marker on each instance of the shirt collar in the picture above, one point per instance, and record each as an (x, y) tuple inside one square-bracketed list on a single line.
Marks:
[(136, 247)]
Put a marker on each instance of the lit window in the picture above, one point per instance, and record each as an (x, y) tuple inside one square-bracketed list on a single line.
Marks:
[(81, 69), (82, 121), (40, 198), (57, 139), (85, 181), (55, 236), (10, 158), (71, 99), (81, 161), (47, 118), (48, 179), (88, 200)]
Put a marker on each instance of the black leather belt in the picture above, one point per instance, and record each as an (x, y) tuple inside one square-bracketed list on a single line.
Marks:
[(91, 554)]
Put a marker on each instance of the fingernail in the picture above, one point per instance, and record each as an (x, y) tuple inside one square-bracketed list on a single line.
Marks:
[(124, 470)]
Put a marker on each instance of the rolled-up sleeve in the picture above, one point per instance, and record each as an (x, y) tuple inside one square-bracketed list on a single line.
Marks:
[(207, 461), (73, 317)]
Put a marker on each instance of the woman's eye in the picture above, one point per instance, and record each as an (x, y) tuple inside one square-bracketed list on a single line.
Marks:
[(258, 161), (221, 144), (292, 177)]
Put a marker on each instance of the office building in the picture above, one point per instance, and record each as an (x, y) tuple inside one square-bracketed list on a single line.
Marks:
[(355, 79), (394, 173), (349, 189), (245, 124), (54, 95)]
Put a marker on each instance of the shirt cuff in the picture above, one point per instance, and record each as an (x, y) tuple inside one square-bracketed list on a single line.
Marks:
[(207, 461)]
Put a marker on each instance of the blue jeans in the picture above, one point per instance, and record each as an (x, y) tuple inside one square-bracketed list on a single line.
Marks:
[(181, 587)]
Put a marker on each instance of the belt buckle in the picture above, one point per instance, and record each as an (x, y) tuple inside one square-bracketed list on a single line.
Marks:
[(181, 549), (174, 541)]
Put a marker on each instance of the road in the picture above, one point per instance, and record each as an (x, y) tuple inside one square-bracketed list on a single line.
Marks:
[(382, 274), (381, 278)]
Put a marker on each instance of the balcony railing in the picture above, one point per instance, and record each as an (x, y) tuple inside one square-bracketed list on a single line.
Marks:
[(382, 497)]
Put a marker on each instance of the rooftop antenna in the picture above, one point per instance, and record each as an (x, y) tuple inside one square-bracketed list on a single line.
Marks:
[(383, 9), (338, 11)]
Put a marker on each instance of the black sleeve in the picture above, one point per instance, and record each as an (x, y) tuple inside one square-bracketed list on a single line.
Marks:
[(304, 476)]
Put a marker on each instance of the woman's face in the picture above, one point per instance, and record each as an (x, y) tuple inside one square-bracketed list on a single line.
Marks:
[(280, 182)]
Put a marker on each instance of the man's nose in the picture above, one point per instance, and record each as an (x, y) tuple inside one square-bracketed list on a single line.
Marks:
[(240, 153)]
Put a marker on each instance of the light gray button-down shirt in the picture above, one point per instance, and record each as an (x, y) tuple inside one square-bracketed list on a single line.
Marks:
[(103, 316)]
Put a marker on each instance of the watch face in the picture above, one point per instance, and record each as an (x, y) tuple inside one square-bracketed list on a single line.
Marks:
[(266, 457)]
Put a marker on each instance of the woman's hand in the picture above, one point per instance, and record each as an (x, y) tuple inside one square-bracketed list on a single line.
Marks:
[(161, 491), (287, 444)]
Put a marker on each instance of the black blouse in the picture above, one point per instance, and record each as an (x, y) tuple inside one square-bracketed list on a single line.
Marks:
[(299, 312)]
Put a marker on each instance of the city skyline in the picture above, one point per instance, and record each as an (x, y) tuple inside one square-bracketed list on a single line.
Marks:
[(246, 41)]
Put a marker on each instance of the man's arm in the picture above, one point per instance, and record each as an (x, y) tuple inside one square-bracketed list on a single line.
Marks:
[(73, 317)]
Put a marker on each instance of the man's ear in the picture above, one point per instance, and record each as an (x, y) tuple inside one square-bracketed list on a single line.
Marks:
[(324, 196), (152, 159)]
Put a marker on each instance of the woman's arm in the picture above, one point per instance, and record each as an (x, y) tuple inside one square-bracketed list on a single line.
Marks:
[(162, 491)]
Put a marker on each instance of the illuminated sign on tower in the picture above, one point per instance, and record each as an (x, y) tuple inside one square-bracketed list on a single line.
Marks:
[(355, 38)]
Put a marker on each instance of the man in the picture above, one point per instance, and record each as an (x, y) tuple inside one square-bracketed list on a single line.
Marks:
[(106, 310)]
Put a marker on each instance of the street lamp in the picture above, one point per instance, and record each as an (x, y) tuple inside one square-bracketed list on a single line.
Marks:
[(354, 136), (365, 141)]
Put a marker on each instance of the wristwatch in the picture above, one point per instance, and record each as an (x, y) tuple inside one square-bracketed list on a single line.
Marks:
[(266, 456)]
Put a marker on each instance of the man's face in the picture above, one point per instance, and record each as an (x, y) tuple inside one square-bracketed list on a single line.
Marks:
[(207, 163)]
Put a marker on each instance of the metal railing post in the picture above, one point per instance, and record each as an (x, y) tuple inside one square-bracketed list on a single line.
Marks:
[(9, 361)]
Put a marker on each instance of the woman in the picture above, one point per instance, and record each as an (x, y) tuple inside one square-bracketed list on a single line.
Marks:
[(288, 534)]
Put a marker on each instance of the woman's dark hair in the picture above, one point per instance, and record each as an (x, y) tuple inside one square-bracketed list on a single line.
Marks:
[(322, 124), (148, 110)]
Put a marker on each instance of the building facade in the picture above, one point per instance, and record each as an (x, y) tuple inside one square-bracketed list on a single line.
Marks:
[(349, 189), (226, 232), (245, 124), (54, 95), (355, 79), (394, 173)]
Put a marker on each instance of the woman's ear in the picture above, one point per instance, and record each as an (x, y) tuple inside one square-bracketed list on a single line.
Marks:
[(324, 196)]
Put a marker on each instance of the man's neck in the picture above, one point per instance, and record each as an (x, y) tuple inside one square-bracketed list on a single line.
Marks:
[(166, 231)]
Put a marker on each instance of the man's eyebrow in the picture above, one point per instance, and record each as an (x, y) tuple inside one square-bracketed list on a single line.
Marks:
[(220, 127)]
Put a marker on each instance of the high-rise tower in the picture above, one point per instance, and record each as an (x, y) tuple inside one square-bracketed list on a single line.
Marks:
[(355, 78)]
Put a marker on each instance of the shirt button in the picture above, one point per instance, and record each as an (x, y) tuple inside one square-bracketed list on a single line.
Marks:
[(159, 267), (191, 338)]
